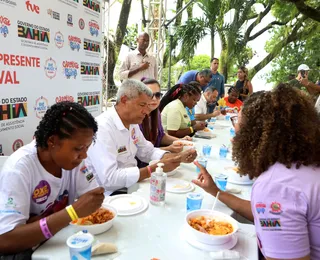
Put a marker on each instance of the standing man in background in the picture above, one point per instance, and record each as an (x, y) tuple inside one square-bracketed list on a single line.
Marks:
[(217, 82), (139, 63)]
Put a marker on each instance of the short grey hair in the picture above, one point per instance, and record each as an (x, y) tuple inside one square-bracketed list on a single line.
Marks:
[(211, 90), (132, 88), (206, 73)]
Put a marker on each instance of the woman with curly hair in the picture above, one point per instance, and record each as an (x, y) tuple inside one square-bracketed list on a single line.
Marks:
[(175, 119), (40, 182), (243, 84), (282, 136)]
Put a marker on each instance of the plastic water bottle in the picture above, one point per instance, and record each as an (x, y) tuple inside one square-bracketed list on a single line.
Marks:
[(158, 186)]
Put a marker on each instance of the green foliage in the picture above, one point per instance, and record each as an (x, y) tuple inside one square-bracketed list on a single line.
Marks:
[(130, 38), (176, 72), (199, 62), (307, 52), (189, 34)]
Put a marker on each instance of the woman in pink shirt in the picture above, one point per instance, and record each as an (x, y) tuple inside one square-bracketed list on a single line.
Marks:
[(281, 131)]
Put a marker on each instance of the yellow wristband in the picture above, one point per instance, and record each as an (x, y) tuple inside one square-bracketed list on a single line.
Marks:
[(72, 213), (191, 129)]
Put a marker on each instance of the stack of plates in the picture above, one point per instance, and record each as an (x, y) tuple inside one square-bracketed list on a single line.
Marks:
[(127, 204), (178, 186)]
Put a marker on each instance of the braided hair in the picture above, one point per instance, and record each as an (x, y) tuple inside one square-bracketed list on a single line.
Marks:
[(177, 91), (63, 119)]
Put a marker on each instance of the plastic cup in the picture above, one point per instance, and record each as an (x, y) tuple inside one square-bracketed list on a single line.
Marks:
[(203, 162), (227, 117), (80, 246), (221, 181), (206, 150), (223, 152), (232, 132), (194, 201), (213, 119)]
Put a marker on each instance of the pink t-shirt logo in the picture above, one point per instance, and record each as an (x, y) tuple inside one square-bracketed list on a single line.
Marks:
[(275, 208), (260, 207)]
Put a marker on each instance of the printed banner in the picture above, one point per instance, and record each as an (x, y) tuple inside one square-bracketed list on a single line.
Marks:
[(50, 52)]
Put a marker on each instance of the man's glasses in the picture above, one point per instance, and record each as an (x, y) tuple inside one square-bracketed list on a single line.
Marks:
[(158, 95)]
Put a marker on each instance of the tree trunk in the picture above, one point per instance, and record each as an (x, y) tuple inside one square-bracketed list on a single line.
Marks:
[(293, 36), (212, 33), (114, 47), (313, 13), (223, 68)]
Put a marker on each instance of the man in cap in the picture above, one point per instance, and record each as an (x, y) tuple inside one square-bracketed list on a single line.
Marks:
[(301, 81)]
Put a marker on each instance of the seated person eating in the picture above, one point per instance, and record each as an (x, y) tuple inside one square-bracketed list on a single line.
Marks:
[(175, 119), (40, 182), (151, 126), (208, 98), (283, 135), (119, 141)]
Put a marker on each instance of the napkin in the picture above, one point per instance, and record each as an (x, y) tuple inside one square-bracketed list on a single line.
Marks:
[(103, 248), (226, 254)]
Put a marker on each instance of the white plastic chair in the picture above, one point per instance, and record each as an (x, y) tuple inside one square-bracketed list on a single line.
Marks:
[(2, 161)]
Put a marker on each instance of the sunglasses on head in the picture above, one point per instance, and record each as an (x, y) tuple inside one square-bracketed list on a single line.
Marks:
[(158, 95)]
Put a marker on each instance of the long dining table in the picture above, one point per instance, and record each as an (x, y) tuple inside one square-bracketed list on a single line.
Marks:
[(158, 232)]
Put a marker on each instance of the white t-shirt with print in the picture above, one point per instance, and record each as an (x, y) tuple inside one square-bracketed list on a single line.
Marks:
[(27, 189)]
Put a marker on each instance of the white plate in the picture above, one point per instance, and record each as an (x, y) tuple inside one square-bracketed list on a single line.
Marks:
[(178, 186), (127, 204), (168, 173), (173, 172), (203, 133), (218, 127), (206, 247), (235, 178), (240, 182)]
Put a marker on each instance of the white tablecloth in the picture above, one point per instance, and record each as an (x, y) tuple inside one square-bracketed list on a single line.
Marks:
[(158, 232)]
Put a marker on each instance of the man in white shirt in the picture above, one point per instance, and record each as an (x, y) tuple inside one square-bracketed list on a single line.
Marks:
[(208, 98), (139, 63), (119, 140)]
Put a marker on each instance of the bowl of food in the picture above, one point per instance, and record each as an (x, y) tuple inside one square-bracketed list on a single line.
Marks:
[(186, 144), (211, 227), (168, 173), (98, 222)]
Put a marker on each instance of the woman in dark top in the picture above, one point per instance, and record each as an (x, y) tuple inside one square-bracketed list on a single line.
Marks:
[(243, 84)]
